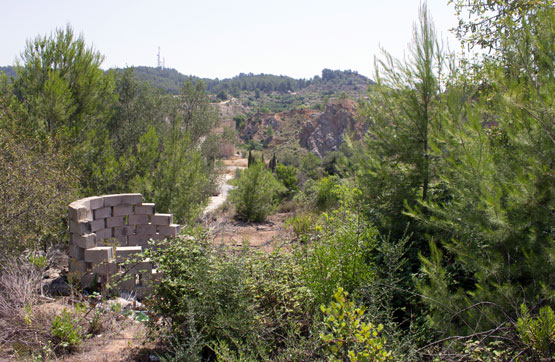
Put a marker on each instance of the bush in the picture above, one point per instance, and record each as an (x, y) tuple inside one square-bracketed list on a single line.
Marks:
[(66, 331), (255, 193), (348, 337), (341, 253), (287, 175), (220, 303), (35, 188)]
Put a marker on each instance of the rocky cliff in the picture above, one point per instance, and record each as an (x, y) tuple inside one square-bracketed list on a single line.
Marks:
[(326, 132)]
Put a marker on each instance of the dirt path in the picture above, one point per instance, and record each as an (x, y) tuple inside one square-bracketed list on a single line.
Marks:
[(229, 172)]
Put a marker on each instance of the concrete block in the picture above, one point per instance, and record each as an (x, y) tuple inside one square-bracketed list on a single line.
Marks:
[(147, 229), (106, 268), (83, 241), (124, 282), (87, 280), (122, 210), (124, 252), (95, 202), (137, 219), (124, 230), (102, 213), (153, 278), (123, 199), (142, 267), (122, 240), (77, 266), (141, 291), (144, 209), (79, 212), (81, 227), (76, 252), (98, 225), (158, 237), (103, 234), (115, 221), (137, 239), (99, 254), (169, 230), (161, 219)]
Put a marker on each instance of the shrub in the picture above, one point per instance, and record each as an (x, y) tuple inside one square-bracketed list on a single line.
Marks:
[(347, 337), (220, 303), (255, 193), (287, 175), (341, 253), (35, 189), (66, 331)]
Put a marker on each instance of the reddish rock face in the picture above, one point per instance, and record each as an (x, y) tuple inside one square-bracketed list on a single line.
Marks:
[(326, 132)]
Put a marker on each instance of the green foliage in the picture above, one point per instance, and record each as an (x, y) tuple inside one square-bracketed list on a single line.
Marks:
[(348, 337), (303, 225), (538, 332), (403, 111), (496, 215), (287, 175), (254, 195), (321, 192), (61, 83), (35, 188), (66, 331), (240, 121), (341, 252), (222, 303)]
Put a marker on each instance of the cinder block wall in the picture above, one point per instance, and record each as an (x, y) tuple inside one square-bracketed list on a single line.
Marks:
[(106, 230)]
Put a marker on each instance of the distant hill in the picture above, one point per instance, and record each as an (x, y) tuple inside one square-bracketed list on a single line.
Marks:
[(170, 81), (9, 70)]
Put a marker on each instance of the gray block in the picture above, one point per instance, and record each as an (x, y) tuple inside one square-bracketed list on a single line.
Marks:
[(78, 212), (115, 221), (147, 229), (98, 225), (125, 283), (87, 280), (83, 241), (81, 227), (161, 219), (124, 230), (124, 252), (137, 239), (122, 240), (99, 254), (76, 252), (169, 230), (103, 234), (122, 210), (78, 266), (144, 209), (137, 219), (106, 268), (102, 213), (144, 267), (95, 202), (123, 199)]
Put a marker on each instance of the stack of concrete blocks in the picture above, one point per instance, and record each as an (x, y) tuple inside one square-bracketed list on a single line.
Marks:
[(105, 231)]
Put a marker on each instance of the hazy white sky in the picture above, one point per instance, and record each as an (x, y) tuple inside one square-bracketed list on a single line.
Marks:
[(222, 38)]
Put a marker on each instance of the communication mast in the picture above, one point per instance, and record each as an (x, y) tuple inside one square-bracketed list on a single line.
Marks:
[(159, 64)]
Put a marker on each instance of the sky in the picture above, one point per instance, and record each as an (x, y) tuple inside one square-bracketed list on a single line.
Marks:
[(222, 38)]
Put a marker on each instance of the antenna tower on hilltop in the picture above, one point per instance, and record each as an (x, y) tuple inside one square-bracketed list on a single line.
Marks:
[(159, 64)]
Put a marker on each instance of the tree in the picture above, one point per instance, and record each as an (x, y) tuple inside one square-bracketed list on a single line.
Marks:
[(255, 193), (195, 113), (395, 168), (61, 83), (495, 221)]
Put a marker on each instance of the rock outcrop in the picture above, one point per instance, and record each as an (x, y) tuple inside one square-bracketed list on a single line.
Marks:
[(326, 132)]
